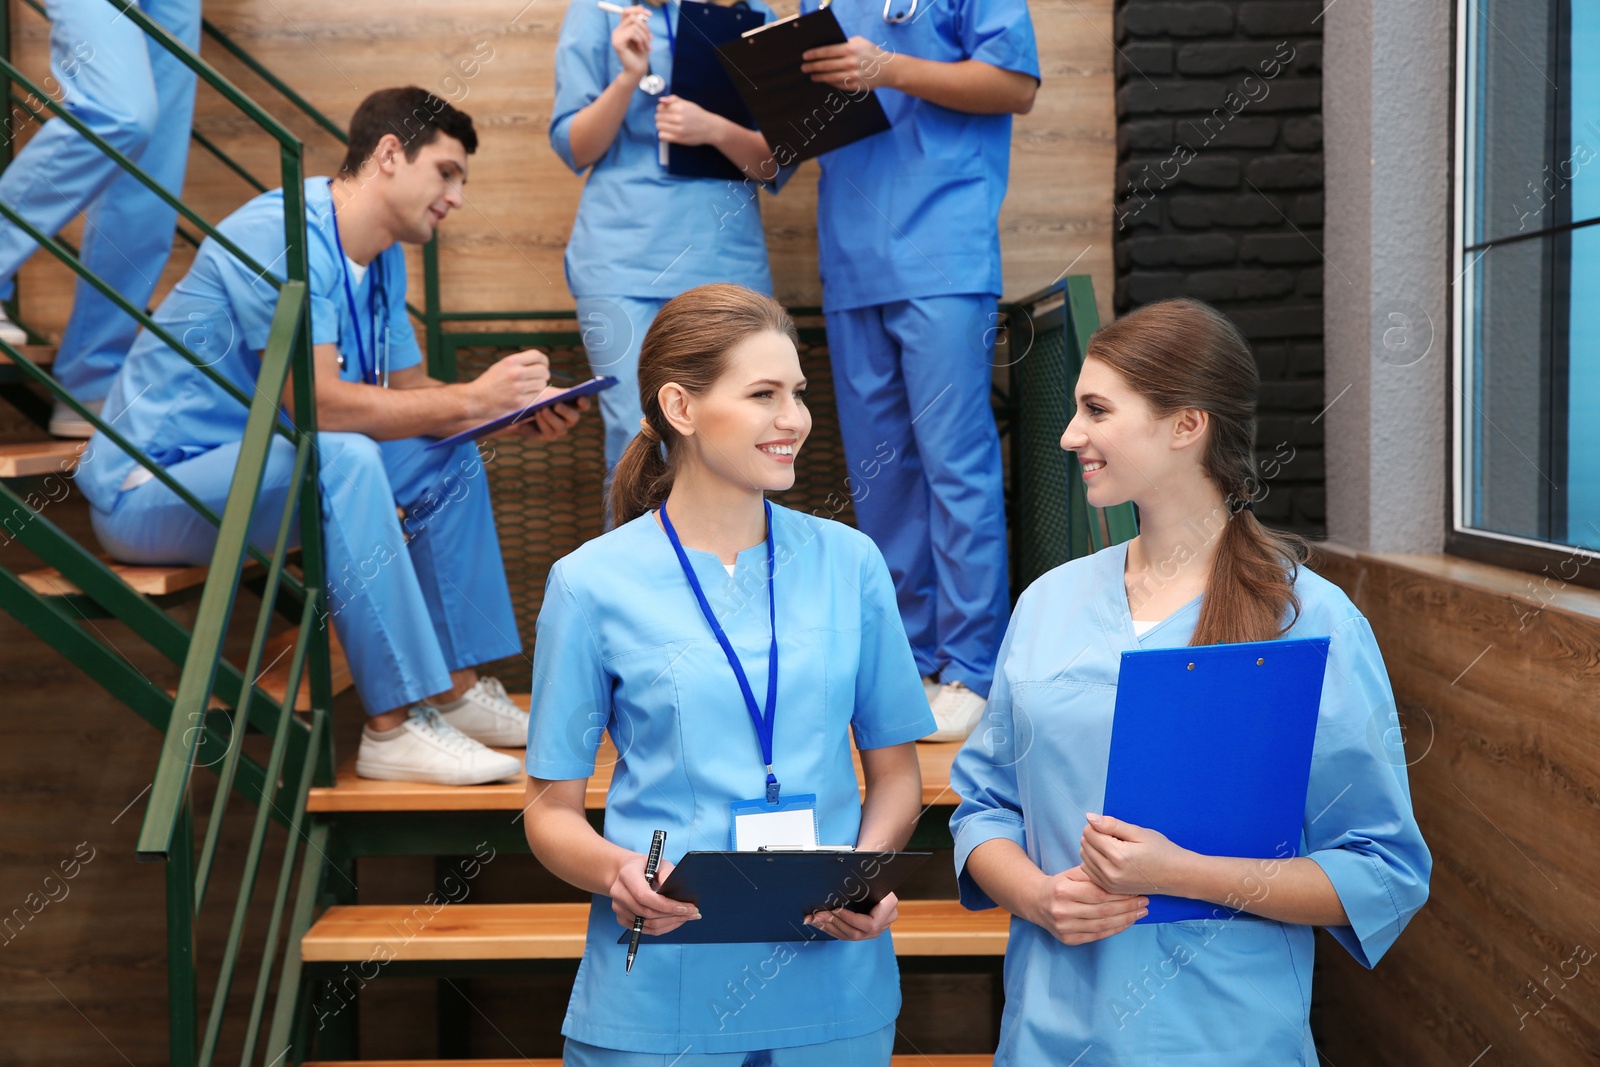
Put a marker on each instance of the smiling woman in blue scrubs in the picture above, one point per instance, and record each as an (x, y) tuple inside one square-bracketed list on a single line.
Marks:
[(1166, 418), (643, 236), (627, 646)]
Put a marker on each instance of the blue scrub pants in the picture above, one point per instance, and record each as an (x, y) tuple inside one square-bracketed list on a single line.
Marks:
[(613, 329), (140, 98), (869, 1050), (407, 614), (912, 380)]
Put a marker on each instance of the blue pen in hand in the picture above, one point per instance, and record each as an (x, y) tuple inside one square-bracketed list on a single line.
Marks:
[(650, 864)]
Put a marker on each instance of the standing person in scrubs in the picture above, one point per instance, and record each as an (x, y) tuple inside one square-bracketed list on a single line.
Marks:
[(630, 642), (643, 236), (418, 601), (1166, 418), (909, 243), (140, 98)]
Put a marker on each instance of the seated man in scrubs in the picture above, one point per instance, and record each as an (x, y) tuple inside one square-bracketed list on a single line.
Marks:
[(417, 602), (909, 248)]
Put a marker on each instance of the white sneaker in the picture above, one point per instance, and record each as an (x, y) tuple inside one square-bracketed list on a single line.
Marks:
[(956, 711), (930, 687), (10, 332), (431, 750), (488, 716), (64, 422)]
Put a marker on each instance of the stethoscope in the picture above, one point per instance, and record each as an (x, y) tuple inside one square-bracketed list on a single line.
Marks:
[(888, 11), (377, 373)]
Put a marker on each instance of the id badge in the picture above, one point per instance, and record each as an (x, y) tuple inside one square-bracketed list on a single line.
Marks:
[(790, 823)]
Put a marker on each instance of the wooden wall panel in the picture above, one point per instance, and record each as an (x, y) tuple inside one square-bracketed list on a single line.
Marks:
[(1500, 702), (495, 59)]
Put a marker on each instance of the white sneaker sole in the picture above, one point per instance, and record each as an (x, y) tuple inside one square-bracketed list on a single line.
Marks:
[(397, 773)]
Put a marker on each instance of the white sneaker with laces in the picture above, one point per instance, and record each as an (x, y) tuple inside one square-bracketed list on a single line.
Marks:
[(64, 422), (490, 717), (10, 332), (431, 750), (956, 711)]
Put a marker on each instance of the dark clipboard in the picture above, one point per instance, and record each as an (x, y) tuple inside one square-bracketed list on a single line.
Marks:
[(698, 76), (792, 111), (765, 896), (1211, 745), (565, 396)]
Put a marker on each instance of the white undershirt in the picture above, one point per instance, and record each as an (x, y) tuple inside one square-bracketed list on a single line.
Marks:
[(1144, 626), (729, 568), (358, 271)]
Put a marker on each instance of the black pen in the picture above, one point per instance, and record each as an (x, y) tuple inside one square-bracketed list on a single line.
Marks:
[(650, 864)]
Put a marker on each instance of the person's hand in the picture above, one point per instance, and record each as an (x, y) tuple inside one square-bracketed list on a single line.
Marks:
[(1076, 911), (1122, 858), (847, 925), (631, 39), (632, 896), (513, 383), (552, 423), (855, 66), (679, 121)]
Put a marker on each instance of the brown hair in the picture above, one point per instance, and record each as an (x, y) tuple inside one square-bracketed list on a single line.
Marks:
[(688, 343), (415, 116), (1184, 354)]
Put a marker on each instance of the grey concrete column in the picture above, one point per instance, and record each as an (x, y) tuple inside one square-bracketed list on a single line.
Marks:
[(1386, 113)]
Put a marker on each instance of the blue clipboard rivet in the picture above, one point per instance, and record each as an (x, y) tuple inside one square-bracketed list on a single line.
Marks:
[(1191, 666), (1261, 662)]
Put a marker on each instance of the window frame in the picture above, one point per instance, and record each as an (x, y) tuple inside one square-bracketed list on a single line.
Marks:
[(1552, 561)]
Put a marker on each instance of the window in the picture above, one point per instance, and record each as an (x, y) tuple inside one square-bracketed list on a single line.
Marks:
[(1526, 452)]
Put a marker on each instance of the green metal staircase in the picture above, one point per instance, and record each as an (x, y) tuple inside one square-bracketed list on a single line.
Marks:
[(283, 692)]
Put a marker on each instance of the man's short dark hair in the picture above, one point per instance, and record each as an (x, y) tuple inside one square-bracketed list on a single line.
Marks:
[(414, 115)]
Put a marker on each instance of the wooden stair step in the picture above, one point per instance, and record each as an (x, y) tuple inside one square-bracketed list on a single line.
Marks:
[(32, 458), (275, 660), (44, 355), (945, 1060), (353, 933), (151, 581), (353, 793)]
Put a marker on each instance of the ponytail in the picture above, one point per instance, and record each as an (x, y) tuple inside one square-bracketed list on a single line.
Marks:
[(686, 345), (1184, 354)]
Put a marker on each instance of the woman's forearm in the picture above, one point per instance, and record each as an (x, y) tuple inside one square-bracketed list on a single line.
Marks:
[(564, 842), (595, 126), (1005, 872), (1293, 890), (894, 797), (747, 149)]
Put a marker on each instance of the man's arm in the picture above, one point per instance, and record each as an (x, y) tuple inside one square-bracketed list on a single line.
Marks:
[(969, 85), (416, 405)]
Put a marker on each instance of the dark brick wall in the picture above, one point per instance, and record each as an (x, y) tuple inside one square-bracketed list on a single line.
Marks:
[(1219, 197)]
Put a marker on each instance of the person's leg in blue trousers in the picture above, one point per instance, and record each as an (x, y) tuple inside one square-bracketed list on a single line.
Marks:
[(892, 505), (129, 230), (406, 614), (613, 328), (868, 1050), (100, 60), (916, 374)]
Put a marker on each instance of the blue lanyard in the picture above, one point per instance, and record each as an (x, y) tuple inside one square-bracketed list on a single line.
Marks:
[(350, 299), (763, 722), (672, 43)]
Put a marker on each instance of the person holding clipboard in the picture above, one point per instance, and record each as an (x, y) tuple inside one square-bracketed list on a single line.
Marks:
[(730, 648), (642, 236), (1166, 418)]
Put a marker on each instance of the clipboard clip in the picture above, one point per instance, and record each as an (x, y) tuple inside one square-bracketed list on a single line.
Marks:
[(806, 848)]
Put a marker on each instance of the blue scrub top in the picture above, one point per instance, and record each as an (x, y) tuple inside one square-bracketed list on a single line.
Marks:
[(623, 647), (915, 211), (1212, 993), (641, 232), (223, 311)]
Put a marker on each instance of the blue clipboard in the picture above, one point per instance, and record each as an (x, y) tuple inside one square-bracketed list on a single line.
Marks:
[(565, 396), (1211, 745), (698, 77)]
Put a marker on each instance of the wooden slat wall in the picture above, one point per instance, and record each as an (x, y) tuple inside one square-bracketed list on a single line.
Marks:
[(1501, 707), (504, 250)]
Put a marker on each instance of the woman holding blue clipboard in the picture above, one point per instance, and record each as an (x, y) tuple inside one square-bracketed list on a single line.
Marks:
[(642, 236), (1166, 418), (730, 648)]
